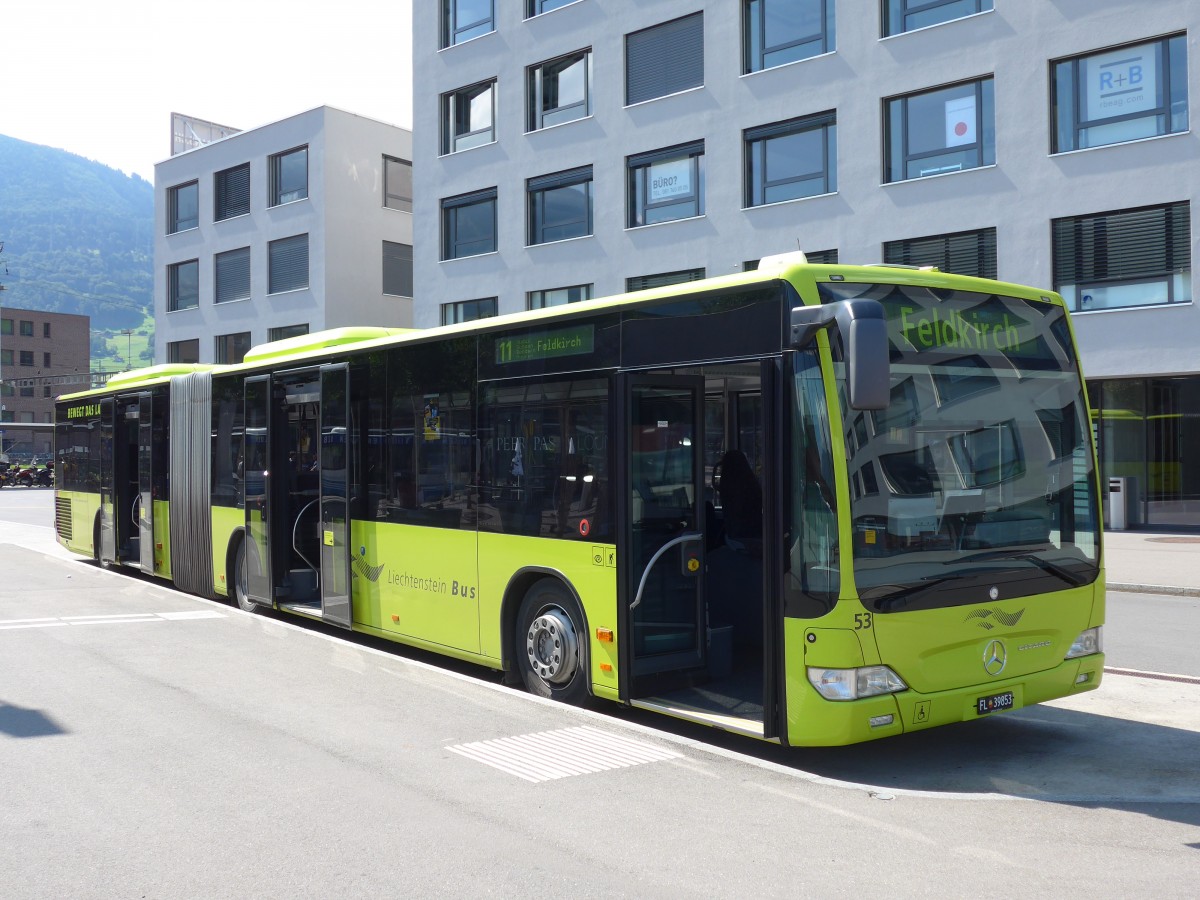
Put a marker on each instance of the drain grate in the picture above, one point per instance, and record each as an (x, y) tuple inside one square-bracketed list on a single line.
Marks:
[(549, 755)]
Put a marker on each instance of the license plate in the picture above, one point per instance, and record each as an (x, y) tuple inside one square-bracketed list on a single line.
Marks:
[(994, 703)]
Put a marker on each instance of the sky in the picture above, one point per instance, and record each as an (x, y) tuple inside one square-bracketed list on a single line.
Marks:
[(102, 79)]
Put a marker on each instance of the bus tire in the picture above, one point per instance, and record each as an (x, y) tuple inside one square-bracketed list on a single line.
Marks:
[(550, 644), (238, 579)]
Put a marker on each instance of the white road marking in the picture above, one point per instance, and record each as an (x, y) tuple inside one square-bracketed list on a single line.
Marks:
[(549, 755), (119, 619)]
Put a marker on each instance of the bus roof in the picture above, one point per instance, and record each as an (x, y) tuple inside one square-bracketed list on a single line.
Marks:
[(793, 267)]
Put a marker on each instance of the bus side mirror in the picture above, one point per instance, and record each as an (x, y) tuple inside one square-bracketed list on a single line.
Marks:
[(864, 334)]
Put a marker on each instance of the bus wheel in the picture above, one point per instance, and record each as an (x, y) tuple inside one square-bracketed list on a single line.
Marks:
[(549, 650), (240, 580)]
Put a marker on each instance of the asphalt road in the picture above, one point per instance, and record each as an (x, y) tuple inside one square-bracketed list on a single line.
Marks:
[(154, 744)]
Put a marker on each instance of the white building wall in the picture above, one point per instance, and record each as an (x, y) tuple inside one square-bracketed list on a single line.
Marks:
[(343, 217), (1019, 196)]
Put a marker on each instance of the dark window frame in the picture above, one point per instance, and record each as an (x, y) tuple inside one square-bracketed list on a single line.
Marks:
[(176, 298), (222, 279), (175, 222), (1068, 96), (898, 118), (538, 88), (585, 292), (451, 206), (755, 142), (540, 192), (756, 50), (639, 169), (901, 10), (456, 105), (281, 189), (455, 33), (397, 269), (397, 195), (469, 310), (226, 347), (175, 351)]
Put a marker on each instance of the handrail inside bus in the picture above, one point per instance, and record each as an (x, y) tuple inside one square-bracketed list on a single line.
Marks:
[(681, 539), (295, 538)]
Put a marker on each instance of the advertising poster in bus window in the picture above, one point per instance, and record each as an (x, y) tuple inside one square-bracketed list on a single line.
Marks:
[(433, 418)]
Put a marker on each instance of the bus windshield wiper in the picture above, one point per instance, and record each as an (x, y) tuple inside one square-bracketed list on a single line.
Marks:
[(1028, 556), (896, 599)]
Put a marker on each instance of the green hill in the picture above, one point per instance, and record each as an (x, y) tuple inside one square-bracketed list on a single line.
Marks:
[(79, 238)]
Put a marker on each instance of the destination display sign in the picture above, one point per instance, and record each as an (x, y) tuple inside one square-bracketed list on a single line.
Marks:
[(576, 340)]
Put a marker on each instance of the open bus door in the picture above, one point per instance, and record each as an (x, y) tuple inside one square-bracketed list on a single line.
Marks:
[(661, 440), (145, 481), (106, 550), (336, 453), (256, 458)]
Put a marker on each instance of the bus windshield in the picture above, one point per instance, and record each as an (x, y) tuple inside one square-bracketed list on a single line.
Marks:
[(976, 483)]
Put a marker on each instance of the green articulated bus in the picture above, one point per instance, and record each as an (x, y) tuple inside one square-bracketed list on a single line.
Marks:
[(813, 504)]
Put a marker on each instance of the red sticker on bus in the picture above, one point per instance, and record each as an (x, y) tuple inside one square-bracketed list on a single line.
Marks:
[(584, 527)]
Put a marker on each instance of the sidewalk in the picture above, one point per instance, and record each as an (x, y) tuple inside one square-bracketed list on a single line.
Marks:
[(1153, 562)]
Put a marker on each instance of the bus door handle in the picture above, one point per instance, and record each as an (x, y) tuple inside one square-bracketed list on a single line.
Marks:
[(682, 539)]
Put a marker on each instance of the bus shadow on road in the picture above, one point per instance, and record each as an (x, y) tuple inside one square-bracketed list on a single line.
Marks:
[(18, 722)]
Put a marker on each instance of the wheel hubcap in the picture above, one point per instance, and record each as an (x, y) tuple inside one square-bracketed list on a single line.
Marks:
[(552, 646)]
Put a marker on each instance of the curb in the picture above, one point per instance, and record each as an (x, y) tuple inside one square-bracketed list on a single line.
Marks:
[(1154, 589)]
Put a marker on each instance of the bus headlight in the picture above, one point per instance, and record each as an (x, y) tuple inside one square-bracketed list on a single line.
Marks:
[(853, 684), (1089, 642)]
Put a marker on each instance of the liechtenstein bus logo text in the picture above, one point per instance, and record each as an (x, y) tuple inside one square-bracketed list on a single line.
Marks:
[(83, 412), (956, 330)]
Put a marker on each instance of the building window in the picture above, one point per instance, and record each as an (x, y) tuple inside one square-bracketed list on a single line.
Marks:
[(560, 206), (1132, 92), (46, 391), (45, 360), (793, 159), (231, 190), (662, 279), (963, 253), (231, 275), (289, 176), (45, 329), (537, 7), (943, 130), (27, 390), (183, 285), (183, 207), (26, 328), (286, 331), (469, 224), (184, 351), (908, 15), (397, 184), (397, 269), (6, 326), (666, 184), (232, 348), (7, 416), (466, 19), (560, 90), (26, 358), (6, 357), (1132, 257), (777, 32), (469, 117), (559, 296), (287, 264), (664, 59), (468, 310)]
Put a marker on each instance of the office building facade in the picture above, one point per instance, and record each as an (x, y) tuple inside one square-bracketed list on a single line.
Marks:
[(581, 149), (294, 227)]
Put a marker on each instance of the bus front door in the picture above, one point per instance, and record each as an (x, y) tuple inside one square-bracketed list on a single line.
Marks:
[(663, 540), (106, 550), (336, 453), (256, 458)]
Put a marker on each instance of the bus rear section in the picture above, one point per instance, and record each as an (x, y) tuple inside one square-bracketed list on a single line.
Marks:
[(972, 582)]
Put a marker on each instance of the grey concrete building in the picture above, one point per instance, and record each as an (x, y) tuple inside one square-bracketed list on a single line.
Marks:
[(42, 355), (297, 226), (584, 148)]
